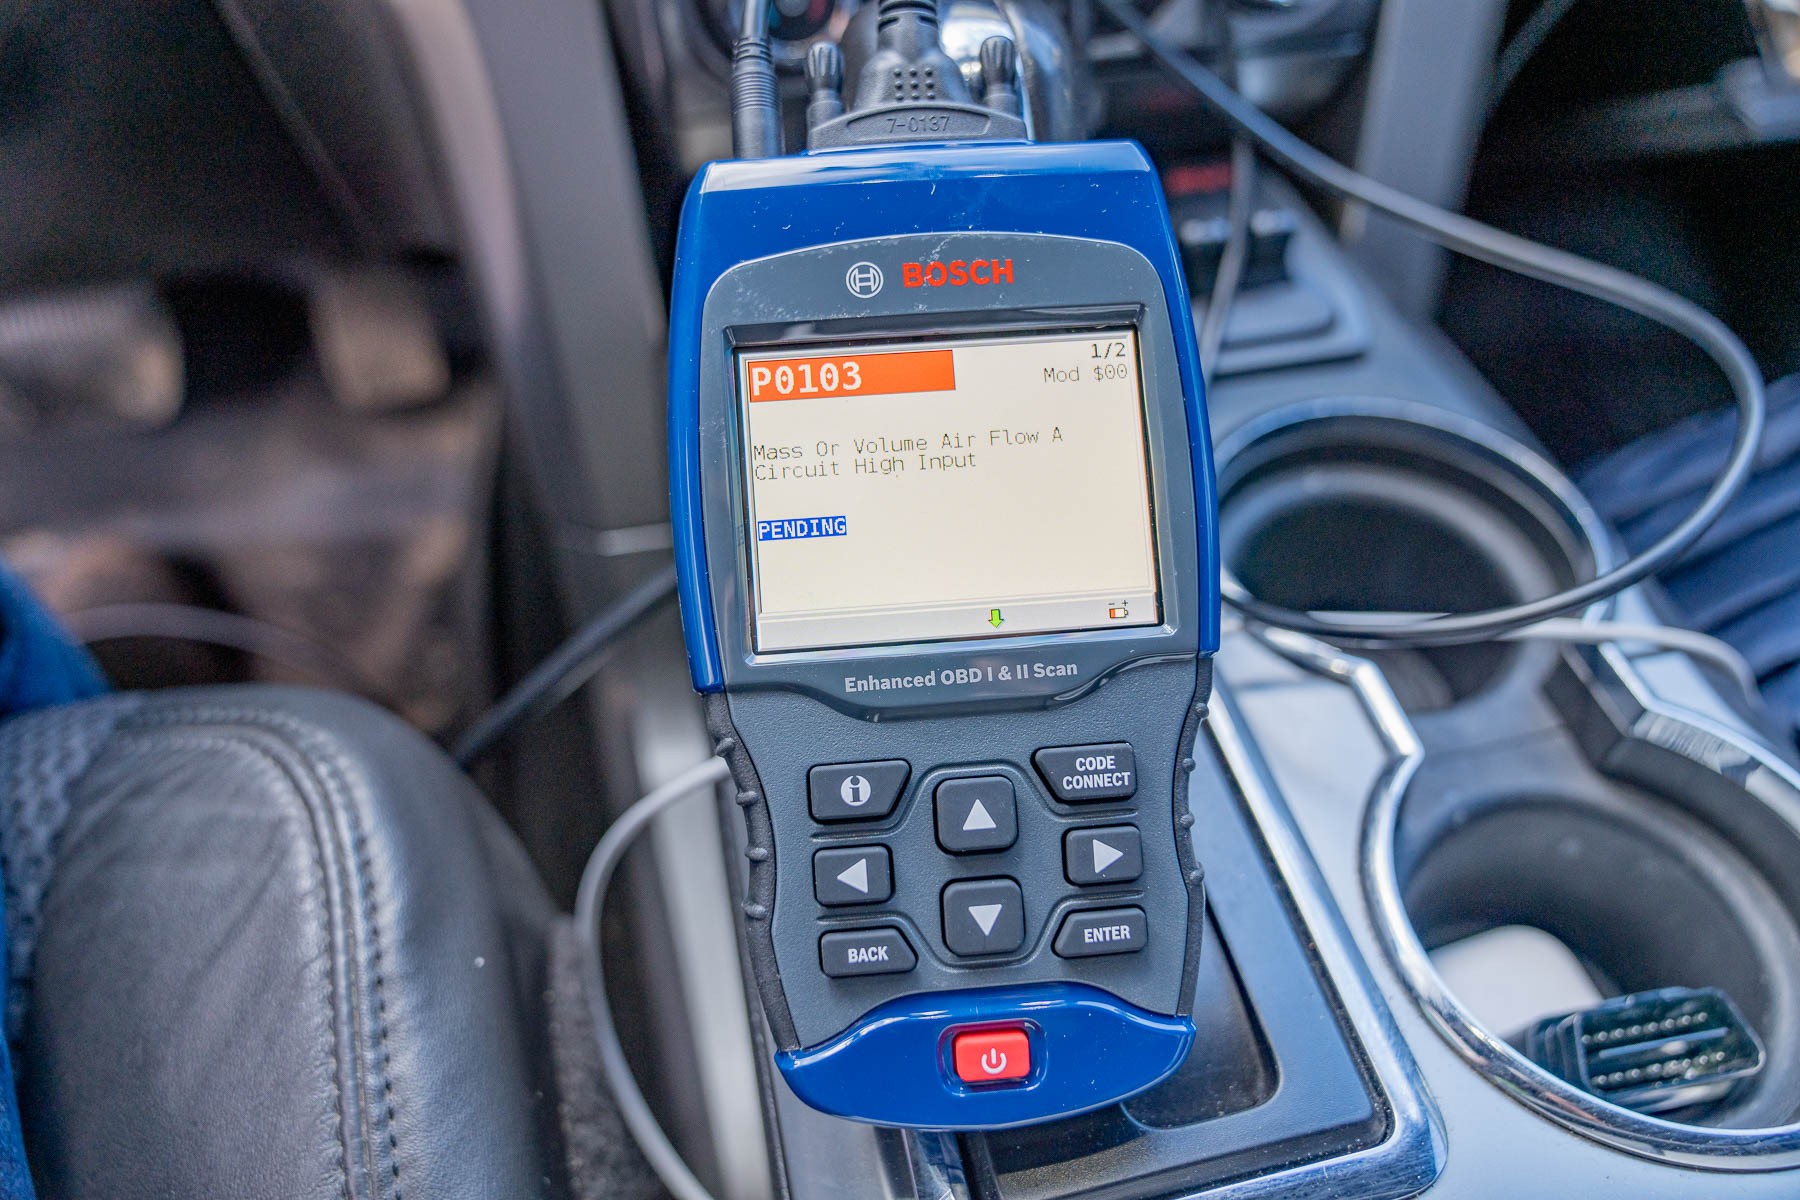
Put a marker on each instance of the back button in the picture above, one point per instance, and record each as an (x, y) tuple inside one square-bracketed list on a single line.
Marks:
[(881, 951)]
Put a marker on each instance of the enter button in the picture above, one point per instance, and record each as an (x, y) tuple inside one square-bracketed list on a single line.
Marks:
[(1102, 931)]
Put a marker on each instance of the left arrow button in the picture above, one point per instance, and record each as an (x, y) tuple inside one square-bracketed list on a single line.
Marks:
[(853, 875)]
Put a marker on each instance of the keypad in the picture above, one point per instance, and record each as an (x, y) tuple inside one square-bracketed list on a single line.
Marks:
[(974, 813)]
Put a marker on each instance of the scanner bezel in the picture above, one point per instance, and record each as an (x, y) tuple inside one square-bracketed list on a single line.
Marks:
[(1060, 284)]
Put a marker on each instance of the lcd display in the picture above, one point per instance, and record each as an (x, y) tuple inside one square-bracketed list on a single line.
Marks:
[(946, 489)]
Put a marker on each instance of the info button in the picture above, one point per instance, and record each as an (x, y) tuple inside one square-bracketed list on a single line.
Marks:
[(1089, 774), (865, 791)]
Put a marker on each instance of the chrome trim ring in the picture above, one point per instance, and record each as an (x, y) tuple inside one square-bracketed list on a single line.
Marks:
[(1772, 1149), (1635, 710), (1484, 441)]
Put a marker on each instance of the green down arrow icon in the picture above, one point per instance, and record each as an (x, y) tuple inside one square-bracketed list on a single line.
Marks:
[(994, 618)]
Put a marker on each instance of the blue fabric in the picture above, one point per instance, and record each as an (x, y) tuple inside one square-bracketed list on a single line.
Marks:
[(15, 1177), (1742, 581), (39, 666)]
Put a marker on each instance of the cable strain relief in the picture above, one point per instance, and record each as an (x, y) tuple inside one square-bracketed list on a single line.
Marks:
[(755, 100), (926, 11)]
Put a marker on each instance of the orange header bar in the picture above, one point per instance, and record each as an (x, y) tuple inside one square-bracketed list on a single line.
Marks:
[(852, 375)]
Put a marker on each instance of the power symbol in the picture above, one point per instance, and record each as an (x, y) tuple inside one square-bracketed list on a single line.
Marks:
[(991, 1055)]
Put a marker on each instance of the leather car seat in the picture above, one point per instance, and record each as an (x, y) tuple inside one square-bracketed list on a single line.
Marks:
[(268, 942)]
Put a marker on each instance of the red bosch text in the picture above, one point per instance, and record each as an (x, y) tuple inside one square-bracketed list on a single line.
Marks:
[(957, 273)]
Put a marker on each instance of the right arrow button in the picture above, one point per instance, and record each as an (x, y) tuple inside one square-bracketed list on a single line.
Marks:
[(1107, 854)]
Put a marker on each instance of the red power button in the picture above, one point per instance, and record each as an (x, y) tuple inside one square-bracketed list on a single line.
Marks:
[(988, 1055)]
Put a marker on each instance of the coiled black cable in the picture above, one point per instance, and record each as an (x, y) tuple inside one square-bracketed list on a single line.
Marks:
[(1521, 256)]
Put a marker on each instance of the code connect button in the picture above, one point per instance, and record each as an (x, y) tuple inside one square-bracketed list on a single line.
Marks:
[(1086, 774), (991, 1055)]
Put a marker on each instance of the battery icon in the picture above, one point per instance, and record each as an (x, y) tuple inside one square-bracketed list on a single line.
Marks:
[(1118, 611)]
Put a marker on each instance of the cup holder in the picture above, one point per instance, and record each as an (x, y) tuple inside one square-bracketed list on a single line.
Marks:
[(1673, 869), (1645, 894), (1642, 850), (1369, 505)]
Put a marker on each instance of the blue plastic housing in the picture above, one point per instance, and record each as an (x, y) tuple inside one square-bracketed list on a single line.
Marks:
[(743, 210), (894, 1065), (1118, 1048)]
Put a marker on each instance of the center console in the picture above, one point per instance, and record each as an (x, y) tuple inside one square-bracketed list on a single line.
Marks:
[(1367, 823), (1362, 818)]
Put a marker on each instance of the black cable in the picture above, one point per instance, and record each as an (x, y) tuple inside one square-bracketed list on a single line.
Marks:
[(1521, 256), (567, 668), (1240, 207), (755, 92), (1523, 47)]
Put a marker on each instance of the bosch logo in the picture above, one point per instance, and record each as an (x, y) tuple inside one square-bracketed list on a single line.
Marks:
[(958, 273), (864, 279)]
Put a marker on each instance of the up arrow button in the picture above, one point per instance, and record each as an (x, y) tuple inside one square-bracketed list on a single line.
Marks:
[(977, 814)]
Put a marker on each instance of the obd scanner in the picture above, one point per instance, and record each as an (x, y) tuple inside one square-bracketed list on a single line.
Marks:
[(945, 527)]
